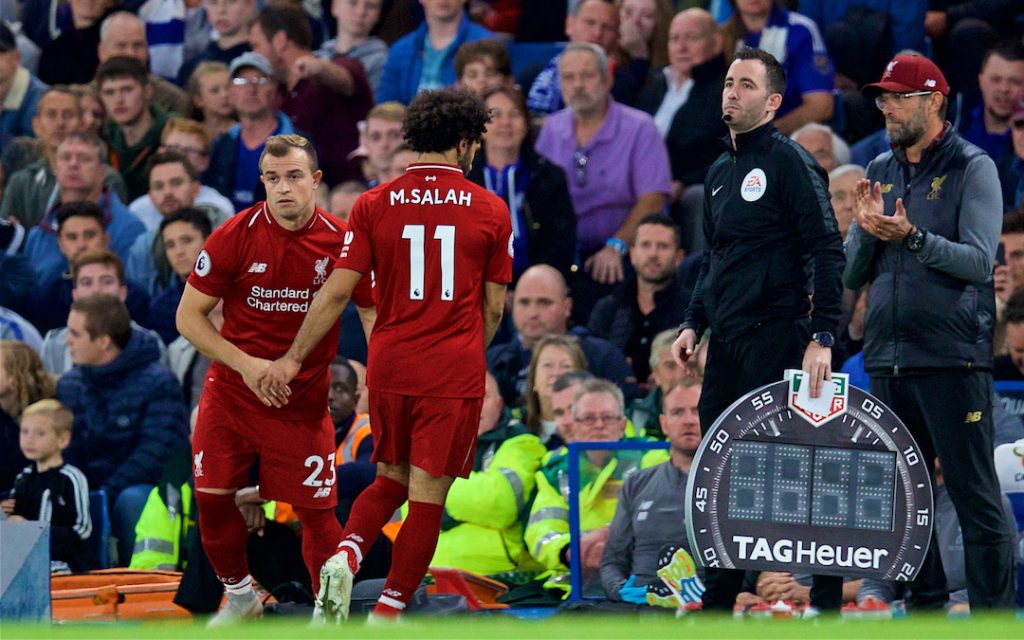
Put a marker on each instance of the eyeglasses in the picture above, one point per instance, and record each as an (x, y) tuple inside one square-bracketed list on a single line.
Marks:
[(897, 99), (580, 159), (605, 418), (241, 82)]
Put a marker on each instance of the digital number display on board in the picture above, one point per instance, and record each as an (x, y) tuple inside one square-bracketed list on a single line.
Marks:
[(778, 487)]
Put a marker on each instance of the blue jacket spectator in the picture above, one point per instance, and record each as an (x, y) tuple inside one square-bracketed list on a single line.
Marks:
[(413, 65), (224, 161), (129, 416), (797, 44), (41, 245), (22, 95)]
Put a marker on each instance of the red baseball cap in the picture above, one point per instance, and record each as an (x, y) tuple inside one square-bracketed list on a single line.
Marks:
[(904, 74)]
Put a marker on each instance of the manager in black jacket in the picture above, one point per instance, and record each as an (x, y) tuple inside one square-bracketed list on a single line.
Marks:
[(767, 220), (925, 240)]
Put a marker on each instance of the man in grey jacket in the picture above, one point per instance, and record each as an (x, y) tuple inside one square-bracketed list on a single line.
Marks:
[(650, 513), (927, 225)]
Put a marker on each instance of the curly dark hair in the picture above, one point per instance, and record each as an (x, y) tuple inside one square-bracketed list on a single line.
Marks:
[(436, 121)]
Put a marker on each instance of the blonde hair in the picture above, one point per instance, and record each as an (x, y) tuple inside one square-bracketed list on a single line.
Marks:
[(60, 416), (567, 343), (186, 125), (195, 81), (279, 146), (31, 381)]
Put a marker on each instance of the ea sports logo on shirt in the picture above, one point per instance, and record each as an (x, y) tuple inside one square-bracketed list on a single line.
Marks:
[(754, 185), (203, 264)]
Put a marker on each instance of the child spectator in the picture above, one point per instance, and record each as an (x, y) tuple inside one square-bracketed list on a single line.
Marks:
[(356, 19), (49, 490), (209, 89)]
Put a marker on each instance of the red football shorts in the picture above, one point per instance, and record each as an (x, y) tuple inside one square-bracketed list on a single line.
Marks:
[(437, 435), (296, 456)]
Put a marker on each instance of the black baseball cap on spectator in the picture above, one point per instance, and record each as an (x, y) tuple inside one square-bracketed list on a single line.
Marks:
[(7, 40)]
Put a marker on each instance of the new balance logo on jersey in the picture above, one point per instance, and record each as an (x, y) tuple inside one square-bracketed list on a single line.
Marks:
[(258, 267), (197, 468), (322, 492)]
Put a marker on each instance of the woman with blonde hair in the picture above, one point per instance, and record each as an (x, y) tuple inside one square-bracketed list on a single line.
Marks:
[(208, 89), (552, 356), (23, 380)]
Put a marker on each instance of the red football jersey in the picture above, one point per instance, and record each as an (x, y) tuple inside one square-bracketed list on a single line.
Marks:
[(432, 238), (267, 277)]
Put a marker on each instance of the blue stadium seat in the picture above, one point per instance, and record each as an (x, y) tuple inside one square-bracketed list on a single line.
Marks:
[(99, 541), (528, 54)]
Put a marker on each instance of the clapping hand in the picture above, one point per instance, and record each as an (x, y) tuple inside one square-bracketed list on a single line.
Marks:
[(869, 210)]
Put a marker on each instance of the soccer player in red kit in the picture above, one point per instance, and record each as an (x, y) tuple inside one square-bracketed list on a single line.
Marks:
[(266, 264), (441, 250)]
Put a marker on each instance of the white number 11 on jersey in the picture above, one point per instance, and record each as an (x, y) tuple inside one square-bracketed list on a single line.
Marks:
[(446, 234)]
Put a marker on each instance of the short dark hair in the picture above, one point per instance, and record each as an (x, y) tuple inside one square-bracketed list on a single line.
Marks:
[(97, 257), (486, 48), (436, 121), (172, 157), (350, 372), (195, 217), (278, 146), (1008, 50), (278, 17), (1014, 313), (1013, 222), (122, 67), (776, 74), (105, 315), (83, 209), (662, 220)]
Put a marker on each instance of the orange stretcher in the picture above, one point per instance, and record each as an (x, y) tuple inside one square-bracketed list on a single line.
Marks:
[(113, 595)]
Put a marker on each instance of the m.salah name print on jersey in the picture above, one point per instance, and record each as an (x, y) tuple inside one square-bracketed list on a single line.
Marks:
[(432, 196)]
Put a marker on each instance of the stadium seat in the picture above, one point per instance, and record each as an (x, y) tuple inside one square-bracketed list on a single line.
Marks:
[(99, 541)]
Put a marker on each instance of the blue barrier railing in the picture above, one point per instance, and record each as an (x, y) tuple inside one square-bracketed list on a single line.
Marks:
[(575, 449)]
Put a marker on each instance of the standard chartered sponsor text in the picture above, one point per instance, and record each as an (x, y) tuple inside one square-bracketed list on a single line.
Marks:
[(285, 299)]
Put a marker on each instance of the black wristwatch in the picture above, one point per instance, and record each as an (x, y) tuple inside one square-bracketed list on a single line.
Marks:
[(825, 339), (915, 240)]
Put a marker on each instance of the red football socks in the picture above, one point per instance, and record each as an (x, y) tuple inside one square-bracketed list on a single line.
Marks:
[(320, 535), (371, 511), (410, 557), (224, 536)]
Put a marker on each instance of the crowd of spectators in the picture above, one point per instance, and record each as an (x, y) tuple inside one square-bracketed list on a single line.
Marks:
[(130, 130)]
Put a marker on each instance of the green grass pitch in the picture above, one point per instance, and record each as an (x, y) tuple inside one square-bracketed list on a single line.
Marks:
[(561, 627)]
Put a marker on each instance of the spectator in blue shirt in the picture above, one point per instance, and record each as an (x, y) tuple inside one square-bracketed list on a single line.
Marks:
[(797, 44), (425, 58), (1001, 82)]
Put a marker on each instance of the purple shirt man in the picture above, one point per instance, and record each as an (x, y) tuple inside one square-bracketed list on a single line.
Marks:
[(614, 160), (607, 175)]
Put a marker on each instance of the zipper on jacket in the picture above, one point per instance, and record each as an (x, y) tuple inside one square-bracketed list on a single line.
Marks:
[(896, 278)]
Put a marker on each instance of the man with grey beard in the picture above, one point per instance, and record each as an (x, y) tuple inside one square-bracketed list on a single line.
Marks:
[(924, 241)]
